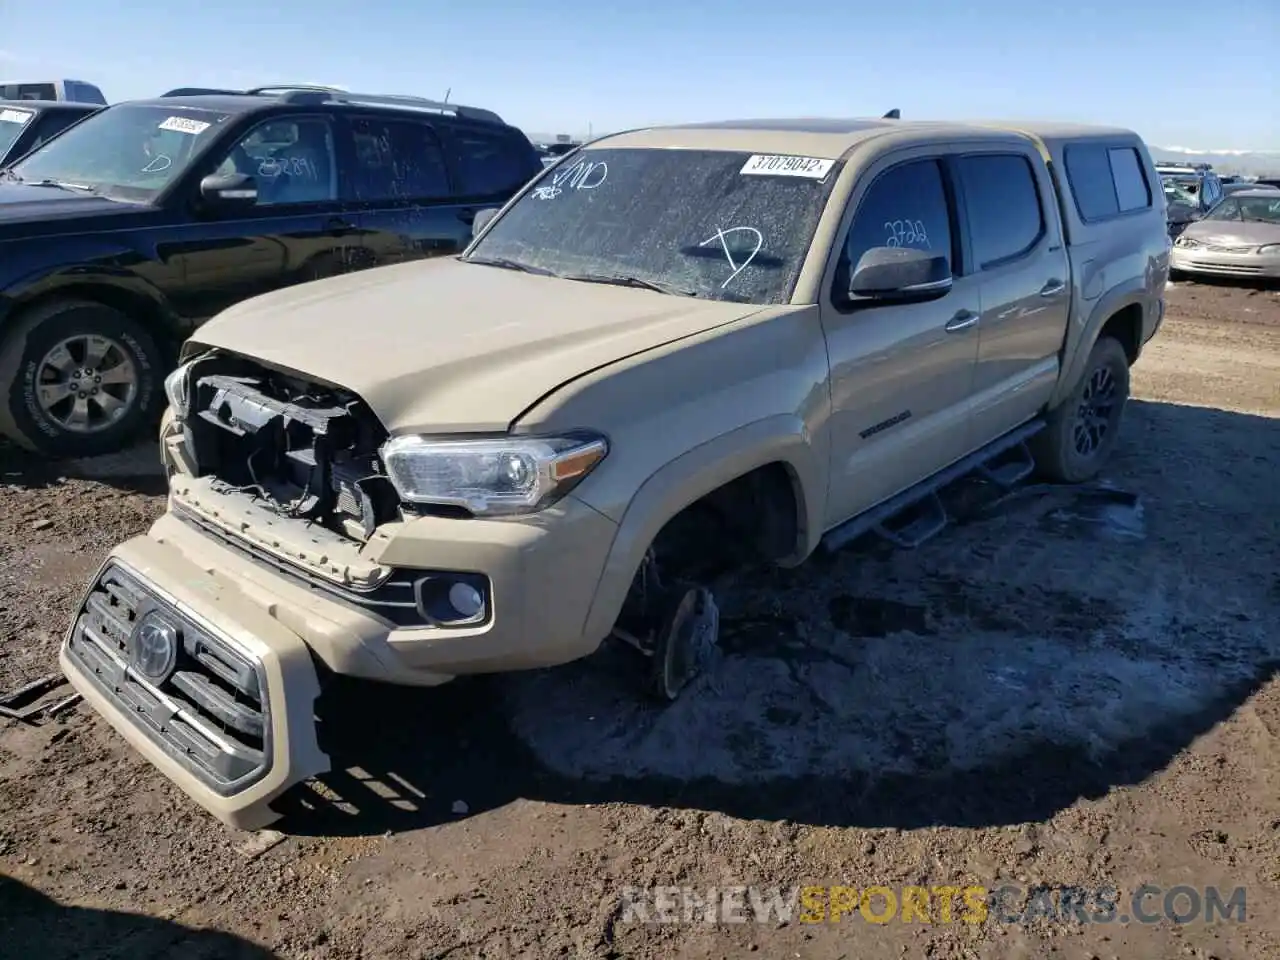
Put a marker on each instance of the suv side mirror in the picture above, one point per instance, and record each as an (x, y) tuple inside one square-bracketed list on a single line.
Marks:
[(232, 191), (900, 275), (482, 220)]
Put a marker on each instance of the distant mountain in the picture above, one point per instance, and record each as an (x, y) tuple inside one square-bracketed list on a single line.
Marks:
[(1255, 163)]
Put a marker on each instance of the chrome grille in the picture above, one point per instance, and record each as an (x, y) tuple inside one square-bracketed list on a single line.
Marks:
[(210, 713)]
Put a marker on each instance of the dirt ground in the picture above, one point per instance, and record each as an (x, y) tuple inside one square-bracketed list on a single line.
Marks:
[(1071, 688)]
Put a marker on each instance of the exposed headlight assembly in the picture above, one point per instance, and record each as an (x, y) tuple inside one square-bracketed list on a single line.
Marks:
[(177, 387), (491, 477)]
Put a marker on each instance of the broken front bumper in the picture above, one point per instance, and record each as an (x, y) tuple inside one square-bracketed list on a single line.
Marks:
[(208, 687)]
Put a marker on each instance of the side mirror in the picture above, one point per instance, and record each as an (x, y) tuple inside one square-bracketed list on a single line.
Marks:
[(232, 191), (900, 274), (482, 220)]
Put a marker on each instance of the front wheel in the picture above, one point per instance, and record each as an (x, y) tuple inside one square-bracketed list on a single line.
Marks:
[(78, 379), (1081, 431), (686, 639)]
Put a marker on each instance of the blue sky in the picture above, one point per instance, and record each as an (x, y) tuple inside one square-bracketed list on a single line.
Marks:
[(1166, 69)]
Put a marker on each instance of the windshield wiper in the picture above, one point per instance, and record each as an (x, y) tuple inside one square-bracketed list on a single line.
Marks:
[(620, 280), (62, 184), (508, 264)]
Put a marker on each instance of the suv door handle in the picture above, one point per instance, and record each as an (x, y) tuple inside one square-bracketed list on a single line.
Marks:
[(961, 321), (1053, 288), (338, 224)]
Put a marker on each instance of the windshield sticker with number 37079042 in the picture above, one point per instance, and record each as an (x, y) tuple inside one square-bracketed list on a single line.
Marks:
[(185, 125), (768, 165)]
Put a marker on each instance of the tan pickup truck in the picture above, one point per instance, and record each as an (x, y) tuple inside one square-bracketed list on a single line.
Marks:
[(739, 340)]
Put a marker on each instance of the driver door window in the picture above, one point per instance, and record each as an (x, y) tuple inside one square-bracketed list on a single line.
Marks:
[(904, 207), (292, 161)]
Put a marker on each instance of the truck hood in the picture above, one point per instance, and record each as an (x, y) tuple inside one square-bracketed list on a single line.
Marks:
[(24, 202), (446, 346)]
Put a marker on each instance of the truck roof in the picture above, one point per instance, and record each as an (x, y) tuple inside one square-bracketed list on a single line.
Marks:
[(832, 138)]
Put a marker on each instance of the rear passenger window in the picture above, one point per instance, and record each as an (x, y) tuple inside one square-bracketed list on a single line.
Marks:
[(399, 160), (1132, 191), (487, 163), (904, 207), (1003, 204), (1106, 181)]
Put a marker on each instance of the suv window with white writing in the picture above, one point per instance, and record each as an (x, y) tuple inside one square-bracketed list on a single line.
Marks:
[(487, 164), (1002, 206), (291, 161), (904, 207), (713, 224), (399, 160)]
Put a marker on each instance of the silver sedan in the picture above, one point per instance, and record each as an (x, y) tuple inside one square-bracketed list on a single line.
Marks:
[(1239, 237)]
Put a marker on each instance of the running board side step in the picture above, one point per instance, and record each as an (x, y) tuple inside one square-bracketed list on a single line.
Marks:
[(989, 462)]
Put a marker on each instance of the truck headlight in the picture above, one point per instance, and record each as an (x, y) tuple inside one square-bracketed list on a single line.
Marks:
[(177, 388), (490, 477)]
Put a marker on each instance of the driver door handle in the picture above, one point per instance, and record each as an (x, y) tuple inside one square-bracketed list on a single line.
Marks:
[(961, 321), (1053, 288)]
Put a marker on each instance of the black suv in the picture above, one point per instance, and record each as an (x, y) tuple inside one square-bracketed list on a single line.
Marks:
[(25, 124), (119, 237)]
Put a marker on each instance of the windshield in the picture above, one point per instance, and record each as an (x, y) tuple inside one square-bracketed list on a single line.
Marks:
[(1256, 209), (688, 221), (1180, 191), (131, 151), (11, 124)]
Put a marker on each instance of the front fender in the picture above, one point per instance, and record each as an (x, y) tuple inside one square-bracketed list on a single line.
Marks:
[(77, 267), (783, 438)]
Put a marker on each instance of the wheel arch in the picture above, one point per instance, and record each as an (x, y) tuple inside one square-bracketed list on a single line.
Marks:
[(137, 301), (1118, 314), (779, 445)]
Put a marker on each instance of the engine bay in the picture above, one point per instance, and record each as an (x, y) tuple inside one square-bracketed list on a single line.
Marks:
[(304, 450)]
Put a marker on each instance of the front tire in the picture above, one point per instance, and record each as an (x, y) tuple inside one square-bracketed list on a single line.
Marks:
[(1081, 431), (78, 379)]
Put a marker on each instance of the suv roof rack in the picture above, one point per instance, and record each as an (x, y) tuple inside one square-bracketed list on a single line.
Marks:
[(290, 87), (312, 93), (318, 93), (200, 92), (401, 100)]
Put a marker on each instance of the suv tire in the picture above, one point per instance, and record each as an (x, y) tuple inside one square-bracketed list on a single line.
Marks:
[(1081, 430), (95, 402)]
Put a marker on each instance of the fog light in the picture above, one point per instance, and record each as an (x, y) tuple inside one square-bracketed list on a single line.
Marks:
[(466, 599), (452, 599)]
